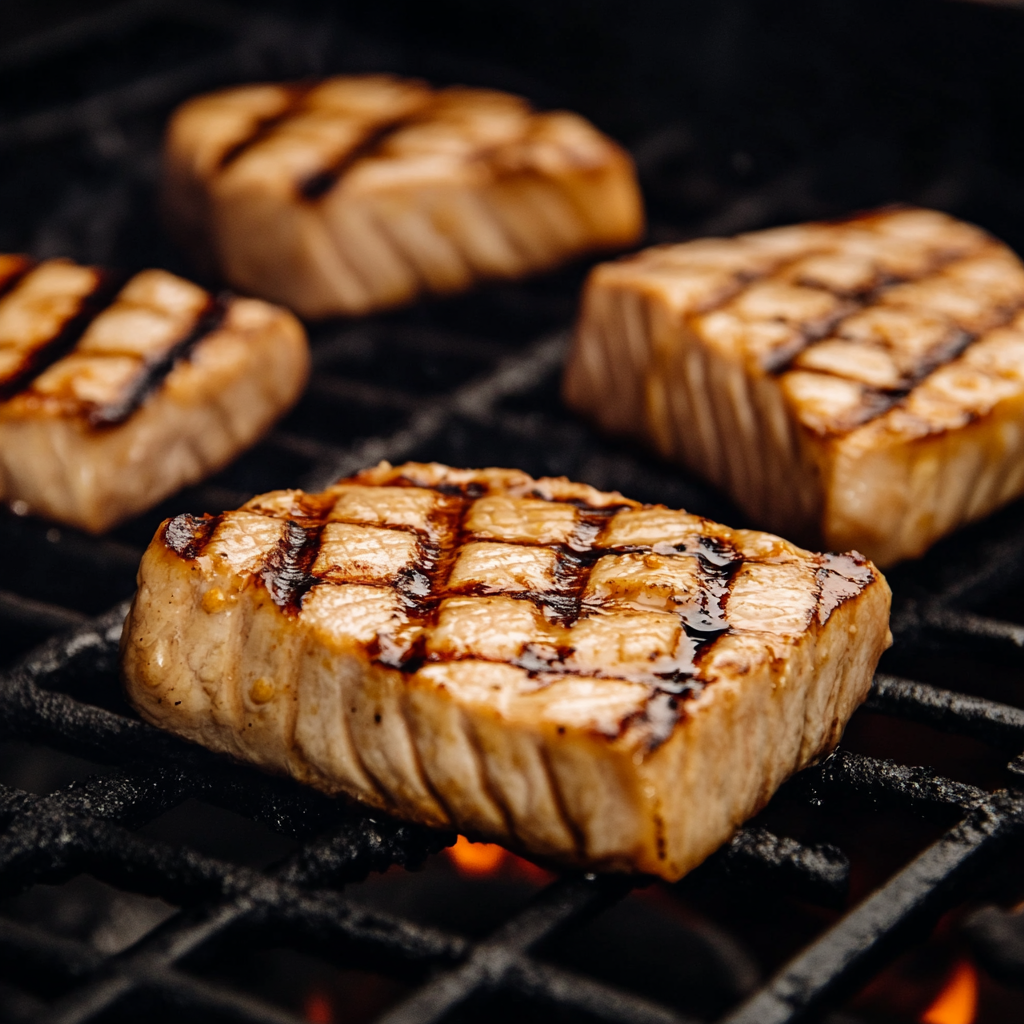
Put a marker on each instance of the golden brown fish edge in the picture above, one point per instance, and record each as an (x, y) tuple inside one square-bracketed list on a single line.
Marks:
[(934, 481), (191, 212), (600, 802), (635, 369), (803, 484), (234, 385)]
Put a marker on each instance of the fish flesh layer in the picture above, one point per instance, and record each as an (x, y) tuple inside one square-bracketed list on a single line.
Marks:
[(111, 399), (852, 384), (589, 680), (358, 193)]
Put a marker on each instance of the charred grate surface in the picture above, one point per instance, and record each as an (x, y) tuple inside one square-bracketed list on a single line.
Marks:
[(471, 382)]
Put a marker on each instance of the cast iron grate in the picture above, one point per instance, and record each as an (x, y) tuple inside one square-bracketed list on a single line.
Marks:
[(470, 382)]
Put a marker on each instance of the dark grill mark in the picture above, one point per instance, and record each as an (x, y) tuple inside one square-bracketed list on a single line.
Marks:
[(316, 186), (423, 586), (840, 578), (572, 570), (659, 718), (717, 570), (957, 342), (186, 535), (878, 401), (779, 360), (13, 278), (264, 127), (471, 490), (286, 572), (155, 373), (681, 685), (873, 403), (406, 659), (45, 355)]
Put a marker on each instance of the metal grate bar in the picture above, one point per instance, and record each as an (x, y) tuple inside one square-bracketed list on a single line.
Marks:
[(997, 724), (819, 874), (883, 781), (477, 400), (541, 983), (913, 900), (987, 633), (41, 613), (108, 853), (507, 406)]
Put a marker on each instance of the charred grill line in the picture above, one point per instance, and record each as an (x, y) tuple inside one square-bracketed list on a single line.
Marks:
[(155, 373), (65, 340), (426, 584), (858, 302), (187, 536), (878, 401), (286, 574), (316, 186), (840, 578), (12, 280), (262, 129)]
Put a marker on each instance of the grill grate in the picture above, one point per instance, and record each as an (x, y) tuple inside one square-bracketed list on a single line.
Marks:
[(472, 382)]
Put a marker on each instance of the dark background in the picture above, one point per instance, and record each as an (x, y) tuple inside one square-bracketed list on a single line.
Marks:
[(790, 109)]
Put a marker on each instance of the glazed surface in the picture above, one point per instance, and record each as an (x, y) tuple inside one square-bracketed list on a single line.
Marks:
[(526, 659)]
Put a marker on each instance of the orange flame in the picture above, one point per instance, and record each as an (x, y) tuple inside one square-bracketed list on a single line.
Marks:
[(957, 1003), (318, 1009), (476, 858)]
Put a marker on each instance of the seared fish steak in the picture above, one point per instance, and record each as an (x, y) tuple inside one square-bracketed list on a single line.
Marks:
[(584, 678), (110, 399), (359, 193), (853, 384)]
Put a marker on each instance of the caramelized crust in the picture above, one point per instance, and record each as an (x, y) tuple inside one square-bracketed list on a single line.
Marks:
[(111, 400), (358, 193), (825, 375), (429, 641)]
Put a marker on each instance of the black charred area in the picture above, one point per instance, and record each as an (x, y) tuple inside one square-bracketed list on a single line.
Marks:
[(470, 491), (287, 571), (186, 535), (144, 878)]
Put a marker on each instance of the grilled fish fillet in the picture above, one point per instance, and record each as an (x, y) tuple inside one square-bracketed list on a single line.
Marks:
[(112, 399), (359, 193), (587, 679), (856, 384)]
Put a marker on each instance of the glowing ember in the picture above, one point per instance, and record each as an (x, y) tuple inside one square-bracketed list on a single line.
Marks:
[(957, 1003), (476, 858), (318, 1009)]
